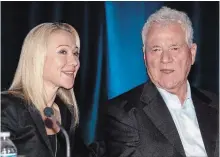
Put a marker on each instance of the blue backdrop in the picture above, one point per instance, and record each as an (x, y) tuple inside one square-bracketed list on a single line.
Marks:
[(125, 64)]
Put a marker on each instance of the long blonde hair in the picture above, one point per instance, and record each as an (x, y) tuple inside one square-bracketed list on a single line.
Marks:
[(29, 74)]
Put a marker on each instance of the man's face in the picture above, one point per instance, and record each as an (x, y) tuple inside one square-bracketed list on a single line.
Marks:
[(167, 56)]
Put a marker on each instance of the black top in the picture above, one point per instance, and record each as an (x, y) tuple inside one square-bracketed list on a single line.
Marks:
[(58, 144), (54, 142)]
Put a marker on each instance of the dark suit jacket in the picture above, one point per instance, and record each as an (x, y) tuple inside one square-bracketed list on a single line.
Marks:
[(139, 124), (28, 132)]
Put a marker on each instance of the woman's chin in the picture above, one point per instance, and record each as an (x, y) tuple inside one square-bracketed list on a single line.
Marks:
[(67, 86)]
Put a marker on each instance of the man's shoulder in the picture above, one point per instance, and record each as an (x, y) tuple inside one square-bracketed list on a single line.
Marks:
[(127, 100), (124, 106), (207, 96)]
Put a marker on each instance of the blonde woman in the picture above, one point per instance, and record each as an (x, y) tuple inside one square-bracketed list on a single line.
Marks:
[(44, 79)]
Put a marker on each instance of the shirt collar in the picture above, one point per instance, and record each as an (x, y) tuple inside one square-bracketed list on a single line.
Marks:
[(172, 100)]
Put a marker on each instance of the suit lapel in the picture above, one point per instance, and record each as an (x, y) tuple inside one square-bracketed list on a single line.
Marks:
[(158, 112), (207, 118), (40, 126)]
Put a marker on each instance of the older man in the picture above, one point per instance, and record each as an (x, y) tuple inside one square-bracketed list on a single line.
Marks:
[(165, 117)]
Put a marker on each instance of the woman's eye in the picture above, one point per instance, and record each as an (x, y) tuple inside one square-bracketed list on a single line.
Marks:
[(63, 52), (76, 53)]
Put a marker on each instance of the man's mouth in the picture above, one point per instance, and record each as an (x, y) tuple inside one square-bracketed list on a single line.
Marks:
[(167, 71)]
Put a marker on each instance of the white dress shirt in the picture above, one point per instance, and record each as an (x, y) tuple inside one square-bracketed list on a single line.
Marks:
[(184, 117)]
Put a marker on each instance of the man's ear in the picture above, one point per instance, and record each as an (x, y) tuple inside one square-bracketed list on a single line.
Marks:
[(144, 52), (193, 51), (143, 48)]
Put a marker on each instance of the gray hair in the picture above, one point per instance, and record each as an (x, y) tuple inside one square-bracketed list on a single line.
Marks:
[(168, 15)]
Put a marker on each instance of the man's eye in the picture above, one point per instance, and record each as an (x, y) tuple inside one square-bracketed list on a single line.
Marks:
[(175, 48), (156, 50)]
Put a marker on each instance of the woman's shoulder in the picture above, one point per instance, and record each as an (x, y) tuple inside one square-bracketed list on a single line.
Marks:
[(11, 100)]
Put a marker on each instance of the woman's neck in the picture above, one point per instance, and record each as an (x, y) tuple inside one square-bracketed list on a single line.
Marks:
[(51, 92)]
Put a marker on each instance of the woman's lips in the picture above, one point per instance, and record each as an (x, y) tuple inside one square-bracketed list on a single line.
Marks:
[(69, 73)]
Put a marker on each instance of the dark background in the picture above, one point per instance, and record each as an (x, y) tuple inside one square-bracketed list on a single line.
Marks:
[(89, 19)]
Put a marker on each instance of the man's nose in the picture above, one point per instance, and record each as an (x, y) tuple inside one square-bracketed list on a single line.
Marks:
[(166, 57)]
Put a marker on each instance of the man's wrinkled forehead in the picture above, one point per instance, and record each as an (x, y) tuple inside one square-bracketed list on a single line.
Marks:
[(157, 29), (164, 24)]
